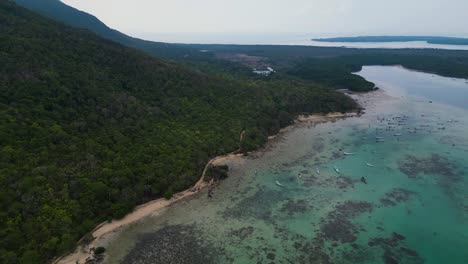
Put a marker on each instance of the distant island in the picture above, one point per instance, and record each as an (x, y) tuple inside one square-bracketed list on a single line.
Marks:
[(428, 39)]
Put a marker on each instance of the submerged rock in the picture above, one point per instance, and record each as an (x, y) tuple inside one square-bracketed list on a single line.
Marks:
[(396, 196), (394, 251), (176, 244), (434, 164), (337, 226)]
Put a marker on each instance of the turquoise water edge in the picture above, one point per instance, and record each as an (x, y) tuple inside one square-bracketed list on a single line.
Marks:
[(410, 147)]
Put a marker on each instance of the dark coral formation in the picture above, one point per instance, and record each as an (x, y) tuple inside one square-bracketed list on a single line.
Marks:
[(340, 182), (393, 250), (435, 164), (396, 196), (338, 226), (260, 205), (242, 233), (344, 182), (392, 241), (318, 145), (387, 202), (310, 252), (292, 207), (444, 170), (176, 244), (311, 180)]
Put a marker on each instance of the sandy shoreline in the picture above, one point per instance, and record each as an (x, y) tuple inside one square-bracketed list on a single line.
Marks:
[(84, 252), (325, 117)]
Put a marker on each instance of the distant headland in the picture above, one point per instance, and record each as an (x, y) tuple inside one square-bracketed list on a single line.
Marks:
[(428, 39)]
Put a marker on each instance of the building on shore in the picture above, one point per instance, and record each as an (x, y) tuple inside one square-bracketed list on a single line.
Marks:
[(265, 72)]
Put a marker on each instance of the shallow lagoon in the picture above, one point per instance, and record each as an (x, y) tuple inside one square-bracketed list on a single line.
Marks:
[(413, 209)]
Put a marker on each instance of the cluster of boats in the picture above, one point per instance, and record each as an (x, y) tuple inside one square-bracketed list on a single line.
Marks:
[(397, 125), (394, 126)]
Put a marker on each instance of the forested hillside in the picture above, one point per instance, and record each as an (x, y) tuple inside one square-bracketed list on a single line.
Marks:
[(326, 65), (90, 128), (70, 16)]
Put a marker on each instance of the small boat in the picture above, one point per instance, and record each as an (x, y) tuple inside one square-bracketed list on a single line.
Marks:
[(363, 180), (279, 184), (397, 135), (380, 140), (336, 169), (348, 153), (370, 165), (317, 170)]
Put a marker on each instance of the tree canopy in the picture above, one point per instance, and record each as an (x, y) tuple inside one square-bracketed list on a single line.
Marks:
[(90, 128)]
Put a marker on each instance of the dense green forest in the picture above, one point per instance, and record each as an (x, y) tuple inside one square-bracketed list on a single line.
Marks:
[(334, 66), (428, 39), (337, 72), (327, 66), (90, 128)]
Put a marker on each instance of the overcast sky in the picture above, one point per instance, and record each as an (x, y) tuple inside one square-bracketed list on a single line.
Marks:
[(314, 17)]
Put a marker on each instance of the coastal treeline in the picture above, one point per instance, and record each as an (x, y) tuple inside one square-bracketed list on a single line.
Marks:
[(334, 66), (338, 72), (89, 129)]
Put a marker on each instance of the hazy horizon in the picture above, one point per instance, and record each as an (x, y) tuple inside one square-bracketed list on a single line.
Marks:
[(191, 19)]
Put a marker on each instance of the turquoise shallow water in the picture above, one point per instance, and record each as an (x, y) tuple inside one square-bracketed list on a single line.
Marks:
[(413, 209)]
